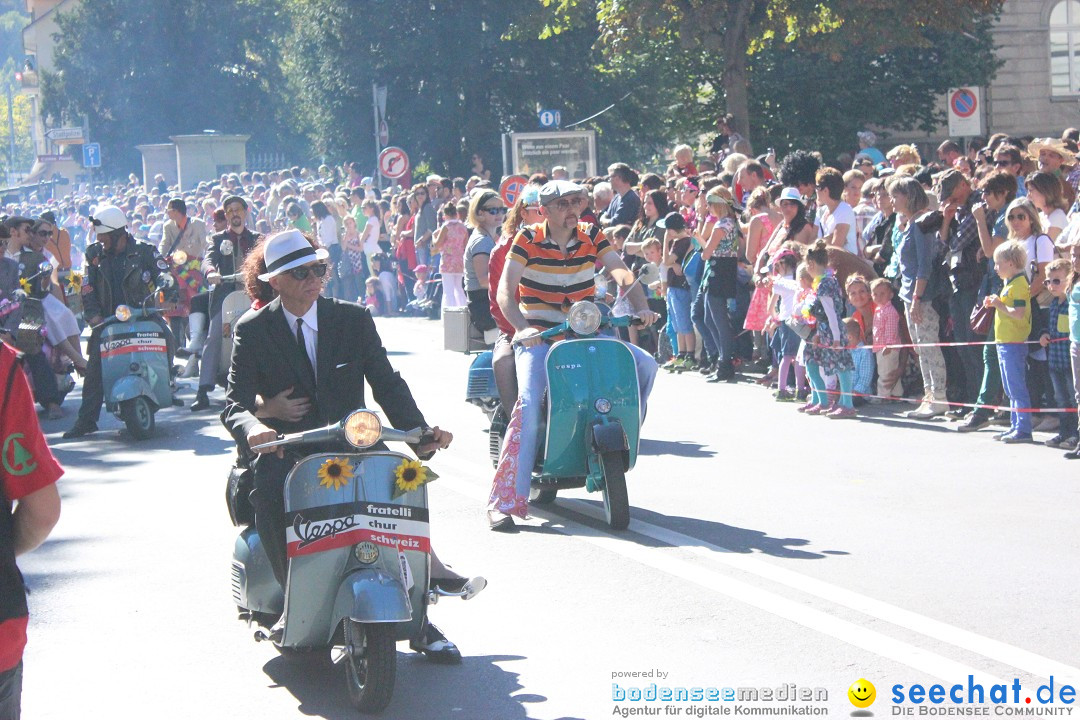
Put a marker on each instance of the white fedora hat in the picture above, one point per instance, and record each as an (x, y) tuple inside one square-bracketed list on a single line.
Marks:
[(286, 250)]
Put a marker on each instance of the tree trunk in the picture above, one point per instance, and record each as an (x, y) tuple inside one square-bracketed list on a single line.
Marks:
[(736, 45)]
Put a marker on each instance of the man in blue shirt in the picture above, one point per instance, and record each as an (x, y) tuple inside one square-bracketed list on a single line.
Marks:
[(625, 207)]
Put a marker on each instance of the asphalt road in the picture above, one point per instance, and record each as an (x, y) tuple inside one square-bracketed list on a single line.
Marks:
[(766, 549)]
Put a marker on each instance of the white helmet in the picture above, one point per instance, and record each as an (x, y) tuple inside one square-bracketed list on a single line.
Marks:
[(108, 218)]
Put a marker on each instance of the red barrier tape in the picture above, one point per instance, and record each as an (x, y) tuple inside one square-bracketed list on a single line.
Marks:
[(919, 401)]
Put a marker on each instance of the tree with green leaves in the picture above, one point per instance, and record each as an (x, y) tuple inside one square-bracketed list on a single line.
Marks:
[(725, 41), (141, 75)]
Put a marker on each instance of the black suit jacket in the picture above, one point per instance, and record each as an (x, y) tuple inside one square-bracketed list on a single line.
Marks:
[(267, 360), (226, 264)]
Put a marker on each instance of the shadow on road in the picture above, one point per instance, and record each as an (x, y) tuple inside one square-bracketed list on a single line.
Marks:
[(678, 448), (477, 688), (729, 537)]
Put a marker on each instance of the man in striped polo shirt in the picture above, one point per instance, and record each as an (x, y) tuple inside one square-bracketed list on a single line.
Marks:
[(552, 265)]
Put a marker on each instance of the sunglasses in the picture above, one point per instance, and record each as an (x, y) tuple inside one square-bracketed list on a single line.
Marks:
[(1002, 163), (1018, 216), (1052, 281), (302, 272), (44, 233), (494, 210), (565, 204)]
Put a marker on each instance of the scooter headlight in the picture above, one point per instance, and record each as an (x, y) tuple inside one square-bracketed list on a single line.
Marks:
[(366, 552), (363, 429), (584, 317), (123, 313)]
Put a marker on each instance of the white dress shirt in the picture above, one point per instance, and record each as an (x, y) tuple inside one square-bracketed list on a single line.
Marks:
[(311, 331)]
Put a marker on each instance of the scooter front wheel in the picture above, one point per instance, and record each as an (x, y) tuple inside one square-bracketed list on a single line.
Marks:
[(370, 664), (138, 416), (616, 502)]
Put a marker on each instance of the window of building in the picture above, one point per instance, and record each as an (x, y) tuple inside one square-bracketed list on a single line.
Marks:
[(1065, 48)]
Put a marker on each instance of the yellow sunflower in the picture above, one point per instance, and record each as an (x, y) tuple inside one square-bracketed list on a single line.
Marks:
[(75, 282), (410, 475), (335, 473), (25, 285)]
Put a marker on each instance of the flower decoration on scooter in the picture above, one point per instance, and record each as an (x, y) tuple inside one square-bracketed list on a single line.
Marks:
[(75, 283), (410, 475), (25, 285), (335, 473)]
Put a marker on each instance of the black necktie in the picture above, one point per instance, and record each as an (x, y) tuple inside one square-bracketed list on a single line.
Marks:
[(302, 344)]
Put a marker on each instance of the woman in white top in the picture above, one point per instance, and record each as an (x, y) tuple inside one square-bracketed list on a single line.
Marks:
[(326, 234), (835, 218), (1046, 192)]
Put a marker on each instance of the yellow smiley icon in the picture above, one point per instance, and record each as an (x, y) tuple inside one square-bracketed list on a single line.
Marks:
[(862, 693)]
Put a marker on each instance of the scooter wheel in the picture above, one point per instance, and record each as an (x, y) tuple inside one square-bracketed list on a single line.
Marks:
[(542, 496), (138, 416), (370, 665), (616, 501)]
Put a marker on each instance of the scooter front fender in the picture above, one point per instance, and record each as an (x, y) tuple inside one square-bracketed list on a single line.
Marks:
[(372, 595), (610, 437), (130, 387)]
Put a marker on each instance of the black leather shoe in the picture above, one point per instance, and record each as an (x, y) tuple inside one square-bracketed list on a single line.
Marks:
[(79, 429), (505, 523), (1074, 454), (202, 402), (435, 647), (975, 422)]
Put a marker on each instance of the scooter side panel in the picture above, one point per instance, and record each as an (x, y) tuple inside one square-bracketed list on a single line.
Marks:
[(481, 383), (254, 585), (233, 308), (580, 372), (327, 519), (141, 343)]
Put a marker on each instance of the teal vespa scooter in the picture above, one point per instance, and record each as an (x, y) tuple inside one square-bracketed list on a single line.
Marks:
[(135, 364), (590, 428)]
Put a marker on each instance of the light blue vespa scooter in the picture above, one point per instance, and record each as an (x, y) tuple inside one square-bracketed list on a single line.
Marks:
[(135, 365), (358, 558)]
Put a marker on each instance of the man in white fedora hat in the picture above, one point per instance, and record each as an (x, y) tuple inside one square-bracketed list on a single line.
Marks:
[(323, 349)]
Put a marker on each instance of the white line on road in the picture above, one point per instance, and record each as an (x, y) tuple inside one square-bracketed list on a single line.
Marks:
[(869, 640), (1010, 655)]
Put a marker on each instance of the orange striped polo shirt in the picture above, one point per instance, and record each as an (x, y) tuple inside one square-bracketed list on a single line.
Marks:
[(551, 282)]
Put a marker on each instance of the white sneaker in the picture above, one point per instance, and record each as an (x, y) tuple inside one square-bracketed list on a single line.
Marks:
[(927, 411)]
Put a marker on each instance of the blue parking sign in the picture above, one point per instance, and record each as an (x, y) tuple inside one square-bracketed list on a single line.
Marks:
[(91, 155)]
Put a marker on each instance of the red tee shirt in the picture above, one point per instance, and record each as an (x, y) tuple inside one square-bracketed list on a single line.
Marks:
[(26, 466), (496, 263)]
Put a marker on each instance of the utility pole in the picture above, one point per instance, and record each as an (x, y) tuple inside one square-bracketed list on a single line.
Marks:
[(11, 133), (375, 125)]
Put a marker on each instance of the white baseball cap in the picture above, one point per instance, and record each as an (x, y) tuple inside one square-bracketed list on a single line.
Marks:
[(286, 250)]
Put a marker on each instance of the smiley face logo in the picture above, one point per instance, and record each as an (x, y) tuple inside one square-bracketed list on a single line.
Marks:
[(862, 693)]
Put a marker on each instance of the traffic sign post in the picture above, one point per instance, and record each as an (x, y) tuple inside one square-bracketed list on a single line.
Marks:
[(393, 163), (550, 118), (91, 155), (965, 112), (511, 188)]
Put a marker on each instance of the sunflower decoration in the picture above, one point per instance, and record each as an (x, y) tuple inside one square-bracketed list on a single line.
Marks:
[(335, 473), (25, 285), (75, 283), (410, 475)]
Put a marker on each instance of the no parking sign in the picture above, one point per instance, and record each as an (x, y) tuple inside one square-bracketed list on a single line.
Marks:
[(965, 112), (511, 188)]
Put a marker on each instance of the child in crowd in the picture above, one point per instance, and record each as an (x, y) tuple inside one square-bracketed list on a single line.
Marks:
[(420, 288), (373, 297), (886, 331), (804, 300), (382, 267), (1074, 330), (785, 341), (684, 162), (1012, 325), (863, 358), (1055, 339)]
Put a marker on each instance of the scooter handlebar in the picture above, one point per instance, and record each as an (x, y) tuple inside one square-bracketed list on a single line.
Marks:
[(336, 431)]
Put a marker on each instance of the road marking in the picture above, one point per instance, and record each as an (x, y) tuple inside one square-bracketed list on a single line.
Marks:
[(869, 640), (1002, 652)]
